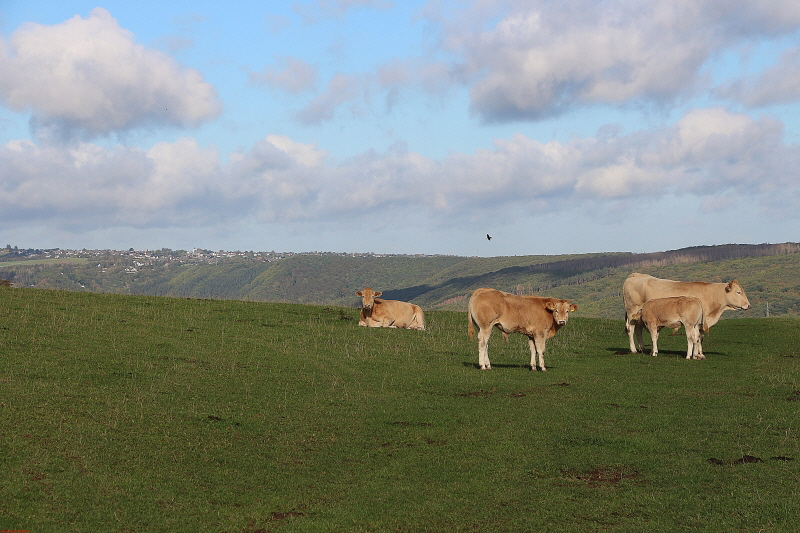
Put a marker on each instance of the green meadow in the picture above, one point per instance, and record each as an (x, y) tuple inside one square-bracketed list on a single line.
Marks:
[(147, 414)]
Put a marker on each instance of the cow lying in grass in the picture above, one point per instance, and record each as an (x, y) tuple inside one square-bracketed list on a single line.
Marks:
[(379, 313), (538, 318), (672, 312)]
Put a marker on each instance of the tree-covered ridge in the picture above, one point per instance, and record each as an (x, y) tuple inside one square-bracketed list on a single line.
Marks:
[(769, 273)]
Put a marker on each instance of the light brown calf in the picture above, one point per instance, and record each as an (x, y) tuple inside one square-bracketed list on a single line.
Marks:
[(715, 298), (379, 313), (536, 317), (673, 312)]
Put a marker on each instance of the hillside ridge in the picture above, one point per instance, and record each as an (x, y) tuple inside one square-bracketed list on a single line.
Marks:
[(769, 273)]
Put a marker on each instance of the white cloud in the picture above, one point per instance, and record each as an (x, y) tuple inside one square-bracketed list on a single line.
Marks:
[(530, 61), (85, 185), (709, 153), (89, 76), (544, 58)]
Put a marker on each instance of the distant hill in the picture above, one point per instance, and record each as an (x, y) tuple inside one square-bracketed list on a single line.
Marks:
[(770, 273)]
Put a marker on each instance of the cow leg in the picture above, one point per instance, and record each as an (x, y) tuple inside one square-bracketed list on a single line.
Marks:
[(690, 343), (631, 328), (654, 337), (699, 349), (697, 345), (483, 348), (638, 329), (537, 346)]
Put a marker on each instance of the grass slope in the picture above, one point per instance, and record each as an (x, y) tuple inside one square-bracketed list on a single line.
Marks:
[(131, 413)]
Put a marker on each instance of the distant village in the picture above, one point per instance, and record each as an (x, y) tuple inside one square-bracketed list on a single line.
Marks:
[(196, 255)]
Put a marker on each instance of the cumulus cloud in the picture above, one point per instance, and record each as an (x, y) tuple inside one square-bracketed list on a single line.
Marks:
[(88, 76), (710, 154), (88, 186), (543, 58), (540, 59)]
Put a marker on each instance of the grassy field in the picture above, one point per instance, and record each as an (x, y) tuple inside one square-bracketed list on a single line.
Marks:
[(144, 414)]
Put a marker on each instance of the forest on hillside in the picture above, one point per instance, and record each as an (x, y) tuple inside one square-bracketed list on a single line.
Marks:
[(770, 274)]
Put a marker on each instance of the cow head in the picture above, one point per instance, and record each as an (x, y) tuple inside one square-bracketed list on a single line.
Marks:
[(368, 297), (735, 296), (561, 310)]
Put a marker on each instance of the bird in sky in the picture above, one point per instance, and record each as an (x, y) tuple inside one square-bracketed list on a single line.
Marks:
[(488, 237)]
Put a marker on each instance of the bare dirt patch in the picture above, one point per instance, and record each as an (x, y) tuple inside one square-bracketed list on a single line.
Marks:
[(607, 475)]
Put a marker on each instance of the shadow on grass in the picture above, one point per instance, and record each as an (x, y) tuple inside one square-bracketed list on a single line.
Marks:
[(525, 366), (665, 353)]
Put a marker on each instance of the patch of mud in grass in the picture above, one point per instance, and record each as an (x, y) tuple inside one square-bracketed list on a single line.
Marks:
[(604, 476)]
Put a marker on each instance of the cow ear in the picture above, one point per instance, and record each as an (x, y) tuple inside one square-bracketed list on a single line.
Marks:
[(573, 308), (378, 294), (358, 293), (550, 306), (729, 288)]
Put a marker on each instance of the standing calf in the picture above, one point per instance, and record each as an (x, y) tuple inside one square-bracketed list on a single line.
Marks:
[(672, 313), (715, 298)]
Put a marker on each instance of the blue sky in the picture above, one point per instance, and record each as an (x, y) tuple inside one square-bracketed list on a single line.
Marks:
[(400, 127)]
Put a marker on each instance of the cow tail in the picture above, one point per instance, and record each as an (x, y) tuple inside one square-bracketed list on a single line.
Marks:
[(470, 327)]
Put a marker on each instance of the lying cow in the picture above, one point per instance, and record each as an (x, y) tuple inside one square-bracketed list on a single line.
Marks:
[(379, 313), (715, 298), (537, 318), (673, 312)]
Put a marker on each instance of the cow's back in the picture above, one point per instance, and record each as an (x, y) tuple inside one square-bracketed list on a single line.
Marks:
[(639, 288), (485, 306), (512, 313), (402, 314)]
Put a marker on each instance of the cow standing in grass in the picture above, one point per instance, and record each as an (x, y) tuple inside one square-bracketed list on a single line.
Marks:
[(674, 312), (379, 313), (536, 317), (715, 298)]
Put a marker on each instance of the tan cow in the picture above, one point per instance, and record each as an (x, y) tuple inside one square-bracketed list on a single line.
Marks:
[(674, 312), (536, 317), (715, 298), (379, 313)]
